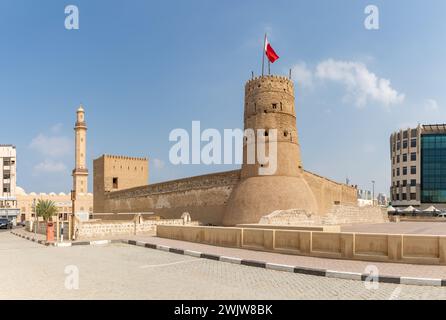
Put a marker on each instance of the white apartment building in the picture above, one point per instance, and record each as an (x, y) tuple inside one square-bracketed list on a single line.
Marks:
[(8, 176)]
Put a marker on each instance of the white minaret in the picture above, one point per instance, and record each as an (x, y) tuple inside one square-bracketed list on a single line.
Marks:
[(80, 172)]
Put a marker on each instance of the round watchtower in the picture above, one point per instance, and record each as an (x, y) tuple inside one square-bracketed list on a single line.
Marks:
[(269, 109), (269, 105)]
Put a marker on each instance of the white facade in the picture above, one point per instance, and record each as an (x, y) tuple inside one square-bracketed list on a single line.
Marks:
[(8, 181)]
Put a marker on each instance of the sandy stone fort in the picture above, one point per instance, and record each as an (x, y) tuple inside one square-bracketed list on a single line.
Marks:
[(289, 196)]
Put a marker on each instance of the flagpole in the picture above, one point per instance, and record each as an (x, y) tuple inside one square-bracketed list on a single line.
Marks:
[(263, 55), (269, 67)]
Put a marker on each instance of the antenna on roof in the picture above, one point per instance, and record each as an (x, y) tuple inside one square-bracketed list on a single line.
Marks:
[(290, 74)]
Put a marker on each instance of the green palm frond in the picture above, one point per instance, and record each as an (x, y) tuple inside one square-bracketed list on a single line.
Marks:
[(46, 209)]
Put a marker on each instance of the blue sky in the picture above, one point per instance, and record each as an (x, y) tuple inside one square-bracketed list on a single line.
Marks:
[(143, 68)]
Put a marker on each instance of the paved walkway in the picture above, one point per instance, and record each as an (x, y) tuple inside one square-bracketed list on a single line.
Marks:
[(384, 268), (120, 271)]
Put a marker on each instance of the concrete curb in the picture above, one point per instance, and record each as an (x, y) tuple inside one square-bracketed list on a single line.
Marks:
[(257, 264)]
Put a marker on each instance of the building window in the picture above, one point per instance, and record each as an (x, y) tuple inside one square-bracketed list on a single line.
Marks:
[(405, 157), (398, 159), (397, 183), (404, 183), (404, 171), (405, 135), (398, 171), (413, 156), (397, 197), (413, 196), (115, 183), (393, 172), (274, 105), (413, 133), (404, 196), (413, 182), (398, 145), (413, 143), (413, 170), (433, 168), (404, 144)]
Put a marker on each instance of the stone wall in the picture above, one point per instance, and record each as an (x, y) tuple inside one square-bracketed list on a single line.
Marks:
[(329, 193), (338, 215), (344, 214), (104, 229), (113, 173), (204, 197)]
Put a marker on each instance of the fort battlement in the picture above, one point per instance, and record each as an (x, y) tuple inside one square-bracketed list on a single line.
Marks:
[(121, 157), (270, 83)]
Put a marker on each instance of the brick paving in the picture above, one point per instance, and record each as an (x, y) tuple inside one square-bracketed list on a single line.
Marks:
[(388, 269), (119, 271)]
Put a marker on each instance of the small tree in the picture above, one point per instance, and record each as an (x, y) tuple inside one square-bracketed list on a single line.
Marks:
[(46, 209)]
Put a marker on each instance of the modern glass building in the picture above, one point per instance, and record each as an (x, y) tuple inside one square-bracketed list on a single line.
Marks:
[(433, 168), (418, 158)]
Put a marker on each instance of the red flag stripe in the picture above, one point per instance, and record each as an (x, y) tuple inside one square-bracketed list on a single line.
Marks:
[(270, 53)]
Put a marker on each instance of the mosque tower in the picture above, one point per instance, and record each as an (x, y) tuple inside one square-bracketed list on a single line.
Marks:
[(269, 104), (80, 172)]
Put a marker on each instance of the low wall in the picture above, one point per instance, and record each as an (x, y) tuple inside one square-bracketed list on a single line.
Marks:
[(418, 249), (338, 215), (291, 227), (103, 229), (41, 229)]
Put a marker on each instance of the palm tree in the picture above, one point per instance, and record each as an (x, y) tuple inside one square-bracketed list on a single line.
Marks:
[(46, 209)]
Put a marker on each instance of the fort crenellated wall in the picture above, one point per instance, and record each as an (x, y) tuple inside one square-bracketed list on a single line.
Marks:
[(204, 197)]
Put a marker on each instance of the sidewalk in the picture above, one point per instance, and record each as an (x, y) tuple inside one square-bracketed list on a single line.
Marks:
[(336, 268), (351, 266)]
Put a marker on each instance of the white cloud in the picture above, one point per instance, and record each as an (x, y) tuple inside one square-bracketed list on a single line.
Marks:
[(302, 75), (49, 166), (362, 86), (431, 105), (55, 146), (158, 164)]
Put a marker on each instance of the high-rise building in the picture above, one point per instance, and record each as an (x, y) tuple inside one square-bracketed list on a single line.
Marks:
[(8, 200), (418, 162)]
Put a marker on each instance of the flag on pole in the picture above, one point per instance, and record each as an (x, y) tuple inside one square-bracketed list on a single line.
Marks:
[(269, 51)]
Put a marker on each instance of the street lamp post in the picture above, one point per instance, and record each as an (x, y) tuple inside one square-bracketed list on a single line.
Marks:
[(373, 192), (36, 220)]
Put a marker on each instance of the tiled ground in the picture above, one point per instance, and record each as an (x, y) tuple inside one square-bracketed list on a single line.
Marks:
[(119, 271), (390, 269)]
